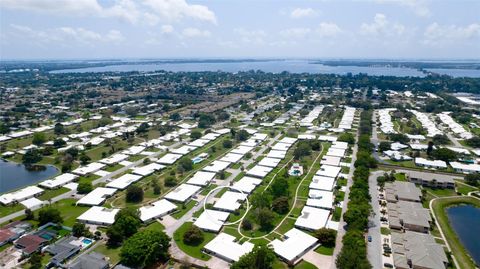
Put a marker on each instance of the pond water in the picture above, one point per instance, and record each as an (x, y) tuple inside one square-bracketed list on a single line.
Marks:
[(465, 220), (14, 175), (274, 66)]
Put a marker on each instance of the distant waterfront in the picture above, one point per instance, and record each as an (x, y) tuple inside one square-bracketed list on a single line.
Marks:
[(14, 176), (274, 66)]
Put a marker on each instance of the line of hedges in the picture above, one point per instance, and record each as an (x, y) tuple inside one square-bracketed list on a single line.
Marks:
[(354, 251)]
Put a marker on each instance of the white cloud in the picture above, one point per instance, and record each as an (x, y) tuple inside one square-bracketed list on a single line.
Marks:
[(149, 11), (65, 35), (167, 29), (191, 32), (381, 27), (420, 7), (251, 36), (436, 34), (295, 32), (299, 13), (328, 29), (175, 10)]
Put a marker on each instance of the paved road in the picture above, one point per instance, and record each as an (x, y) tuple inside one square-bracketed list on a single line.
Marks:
[(374, 248), (374, 139), (341, 227)]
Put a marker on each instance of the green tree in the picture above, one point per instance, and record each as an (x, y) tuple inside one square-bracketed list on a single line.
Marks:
[(39, 139), (84, 187), (59, 129), (79, 229), (473, 179), (115, 236), (193, 236), (134, 194), (35, 261), (264, 218), (49, 214), (175, 117), (186, 164), (227, 143), (195, 134), (145, 248), (347, 137), (384, 146), (302, 149), (241, 135), (31, 156), (170, 181), (440, 139), (279, 187), (280, 205), (326, 237), (261, 257), (444, 154), (58, 143)]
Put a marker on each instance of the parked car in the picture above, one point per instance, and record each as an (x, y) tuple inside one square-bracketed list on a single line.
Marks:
[(369, 238), (387, 265)]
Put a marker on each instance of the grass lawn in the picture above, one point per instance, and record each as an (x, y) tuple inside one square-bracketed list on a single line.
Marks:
[(305, 265), (184, 209), (400, 177), (194, 251), (324, 250), (111, 168), (155, 226), (441, 192), (384, 230), (464, 188), (49, 194), (337, 214), (439, 208), (69, 210), (112, 253), (7, 210)]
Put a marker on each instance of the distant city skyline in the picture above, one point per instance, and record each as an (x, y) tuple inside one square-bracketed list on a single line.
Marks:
[(357, 29)]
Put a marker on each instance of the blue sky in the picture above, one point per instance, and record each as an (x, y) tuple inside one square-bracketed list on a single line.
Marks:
[(73, 29)]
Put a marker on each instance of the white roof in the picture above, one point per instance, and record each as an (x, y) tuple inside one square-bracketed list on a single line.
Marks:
[(306, 136), (281, 146), (210, 136), (320, 199), (328, 138), (216, 166), (169, 158), (115, 158), (198, 143), (89, 168), (241, 150), (224, 245), (288, 140), (182, 193), (156, 209), (416, 146), (246, 184), (279, 154), (328, 171), (97, 196), (211, 220), (183, 150), (99, 215), (436, 163), (322, 183), (312, 218), (32, 203), (469, 168), (331, 160), (201, 178), (459, 150), (231, 158), (20, 195), (335, 152), (259, 136), (123, 181), (230, 201), (259, 171), (148, 169), (339, 145), (222, 131), (269, 162), (102, 173), (134, 150), (294, 245), (58, 181)]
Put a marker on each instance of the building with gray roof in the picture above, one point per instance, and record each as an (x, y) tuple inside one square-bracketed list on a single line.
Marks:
[(432, 180), (92, 260), (402, 191), (409, 216), (417, 250)]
